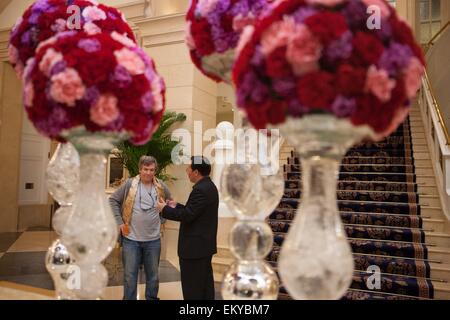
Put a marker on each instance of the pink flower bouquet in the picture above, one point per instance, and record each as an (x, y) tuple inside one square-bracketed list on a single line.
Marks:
[(95, 83), (45, 18)]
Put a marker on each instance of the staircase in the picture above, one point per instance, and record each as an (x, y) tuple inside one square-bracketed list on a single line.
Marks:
[(391, 210)]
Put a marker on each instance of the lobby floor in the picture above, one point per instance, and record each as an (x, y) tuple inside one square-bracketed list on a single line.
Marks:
[(22, 267)]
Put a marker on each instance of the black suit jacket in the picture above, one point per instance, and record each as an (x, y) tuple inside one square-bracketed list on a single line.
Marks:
[(198, 227)]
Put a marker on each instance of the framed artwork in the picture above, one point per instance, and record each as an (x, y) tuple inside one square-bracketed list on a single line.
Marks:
[(115, 172)]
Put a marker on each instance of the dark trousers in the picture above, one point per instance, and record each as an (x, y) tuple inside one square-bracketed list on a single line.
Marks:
[(197, 280)]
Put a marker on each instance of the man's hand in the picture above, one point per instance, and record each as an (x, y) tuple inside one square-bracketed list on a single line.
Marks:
[(123, 229), (171, 203), (160, 205)]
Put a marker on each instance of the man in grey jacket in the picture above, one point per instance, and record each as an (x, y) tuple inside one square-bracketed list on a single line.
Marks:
[(134, 208)]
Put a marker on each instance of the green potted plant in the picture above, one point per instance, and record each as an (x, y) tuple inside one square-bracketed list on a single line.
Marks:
[(160, 147)]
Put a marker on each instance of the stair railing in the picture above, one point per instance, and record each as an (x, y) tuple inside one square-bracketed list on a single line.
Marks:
[(436, 131)]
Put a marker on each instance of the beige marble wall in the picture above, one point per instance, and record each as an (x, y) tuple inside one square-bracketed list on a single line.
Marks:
[(10, 140), (33, 216), (409, 10), (445, 11)]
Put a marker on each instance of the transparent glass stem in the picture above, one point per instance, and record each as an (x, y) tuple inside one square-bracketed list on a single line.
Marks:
[(91, 232), (316, 260)]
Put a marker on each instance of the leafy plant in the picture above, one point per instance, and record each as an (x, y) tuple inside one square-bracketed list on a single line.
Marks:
[(160, 147)]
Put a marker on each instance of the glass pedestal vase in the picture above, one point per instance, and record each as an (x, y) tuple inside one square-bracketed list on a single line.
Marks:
[(91, 232), (316, 261), (251, 197)]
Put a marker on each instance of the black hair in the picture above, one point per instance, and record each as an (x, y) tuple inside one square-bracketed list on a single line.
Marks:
[(201, 164)]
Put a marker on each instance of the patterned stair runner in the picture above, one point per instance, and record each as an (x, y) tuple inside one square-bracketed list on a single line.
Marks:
[(379, 206)]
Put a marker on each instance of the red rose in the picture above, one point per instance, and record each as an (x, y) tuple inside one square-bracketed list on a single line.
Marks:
[(201, 32), (276, 63), (368, 111), (135, 122), (317, 90), (350, 80), (191, 13), (227, 23), (367, 48), (376, 114), (277, 112), (328, 26), (257, 114), (242, 62)]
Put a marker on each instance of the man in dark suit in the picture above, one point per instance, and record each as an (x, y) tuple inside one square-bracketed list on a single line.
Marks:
[(198, 231)]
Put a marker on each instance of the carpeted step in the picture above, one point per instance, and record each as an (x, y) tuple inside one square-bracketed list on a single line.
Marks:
[(387, 265), (365, 160), (366, 218), (377, 247), (362, 218), (362, 185), (375, 168), (363, 176), (359, 206), (354, 294), (382, 146), (417, 287), (400, 152), (391, 284), (365, 232), (380, 196)]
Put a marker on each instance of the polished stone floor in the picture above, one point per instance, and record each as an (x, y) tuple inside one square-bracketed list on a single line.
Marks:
[(22, 265)]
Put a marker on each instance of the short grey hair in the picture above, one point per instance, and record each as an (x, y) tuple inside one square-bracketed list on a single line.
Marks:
[(146, 161)]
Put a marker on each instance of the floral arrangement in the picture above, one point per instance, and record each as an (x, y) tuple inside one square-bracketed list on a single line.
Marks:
[(319, 56), (96, 83), (45, 18), (213, 31)]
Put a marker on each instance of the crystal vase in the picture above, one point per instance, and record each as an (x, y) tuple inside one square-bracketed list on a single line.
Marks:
[(252, 197), (62, 177), (316, 261), (90, 233)]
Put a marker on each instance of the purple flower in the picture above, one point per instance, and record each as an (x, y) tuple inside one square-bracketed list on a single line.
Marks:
[(243, 91), (356, 14), (54, 123), (143, 56), (343, 107), (147, 101), (296, 109), (395, 59), (385, 33), (341, 48), (121, 76), (240, 8), (112, 16), (41, 6), (92, 94), (258, 57), (89, 45), (303, 13), (284, 86), (34, 18), (116, 125), (68, 33), (58, 67), (25, 39), (259, 92)]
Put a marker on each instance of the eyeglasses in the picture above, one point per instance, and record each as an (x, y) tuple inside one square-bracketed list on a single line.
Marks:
[(154, 200)]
